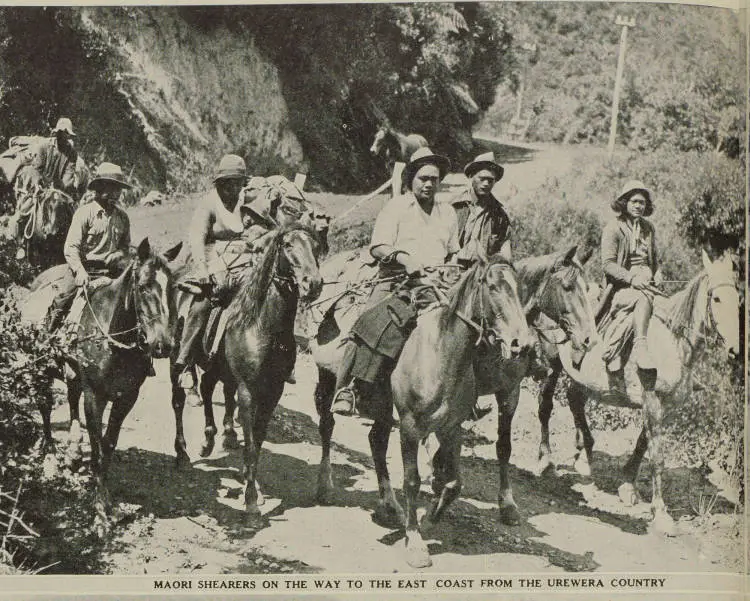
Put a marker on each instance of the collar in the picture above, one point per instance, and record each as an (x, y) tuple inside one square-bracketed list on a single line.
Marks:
[(100, 210)]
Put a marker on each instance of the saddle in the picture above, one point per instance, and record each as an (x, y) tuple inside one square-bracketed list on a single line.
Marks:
[(73, 318)]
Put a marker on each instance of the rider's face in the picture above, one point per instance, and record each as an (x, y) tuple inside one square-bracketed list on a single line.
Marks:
[(425, 182), (229, 190), (636, 205), (107, 192), (483, 181)]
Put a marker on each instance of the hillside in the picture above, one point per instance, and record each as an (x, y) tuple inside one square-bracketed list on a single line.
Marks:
[(683, 82)]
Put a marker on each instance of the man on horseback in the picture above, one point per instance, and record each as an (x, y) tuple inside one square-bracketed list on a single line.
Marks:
[(483, 224), (629, 262), (98, 239), (215, 219), (411, 233)]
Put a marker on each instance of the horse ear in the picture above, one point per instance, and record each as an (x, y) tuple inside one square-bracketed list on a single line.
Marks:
[(571, 252), (171, 253), (706, 260), (144, 250)]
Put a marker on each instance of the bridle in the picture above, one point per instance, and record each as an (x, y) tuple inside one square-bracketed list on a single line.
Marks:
[(561, 325)]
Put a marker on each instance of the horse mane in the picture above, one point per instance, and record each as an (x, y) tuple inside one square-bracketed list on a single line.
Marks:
[(532, 271), (244, 310), (682, 304), (467, 282)]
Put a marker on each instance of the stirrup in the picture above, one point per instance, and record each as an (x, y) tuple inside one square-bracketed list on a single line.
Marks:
[(344, 401), (478, 412)]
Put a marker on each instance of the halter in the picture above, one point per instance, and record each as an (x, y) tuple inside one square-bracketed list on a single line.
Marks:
[(712, 323), (139, 322), (534, 301)]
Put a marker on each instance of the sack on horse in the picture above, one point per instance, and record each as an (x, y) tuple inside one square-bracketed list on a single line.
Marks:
[(22, 151)]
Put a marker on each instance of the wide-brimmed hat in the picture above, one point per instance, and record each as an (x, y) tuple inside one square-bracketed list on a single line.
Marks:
[(109, 172), (484, 161), (231, 166), (424, 156), (628, 190), (64, 124)]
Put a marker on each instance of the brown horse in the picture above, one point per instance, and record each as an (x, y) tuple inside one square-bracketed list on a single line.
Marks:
[(124, 324), (259, 349), (678, 330), (394, 146)]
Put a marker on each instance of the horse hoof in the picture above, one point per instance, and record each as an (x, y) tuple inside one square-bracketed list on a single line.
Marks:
[(509, 515), (418, 557), (544, 467), (628, 494), (230, 442), (663, 523), (182, 461), (388, 516), (254, 519), (207, 449), (582, 466)]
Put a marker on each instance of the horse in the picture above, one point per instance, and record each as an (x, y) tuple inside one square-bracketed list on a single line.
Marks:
[(125, 323), (395, 146), (677, 329), (42, 220), (484, 309), (258, 352)]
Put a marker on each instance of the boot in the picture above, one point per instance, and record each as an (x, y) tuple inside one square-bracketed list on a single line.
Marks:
[(617, 389)]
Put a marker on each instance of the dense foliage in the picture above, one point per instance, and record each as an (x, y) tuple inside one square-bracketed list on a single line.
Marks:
[(691, 98)]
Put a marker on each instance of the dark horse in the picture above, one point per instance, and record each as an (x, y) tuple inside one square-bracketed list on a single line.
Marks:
[(394, 146), (259, 349), (125, 323)]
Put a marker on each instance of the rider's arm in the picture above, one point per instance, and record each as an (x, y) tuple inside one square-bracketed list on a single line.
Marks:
[(611, 239), (73, 248), (385, 235), (200, 229)]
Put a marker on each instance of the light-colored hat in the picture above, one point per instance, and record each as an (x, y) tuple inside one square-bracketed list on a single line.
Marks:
[(231, 166), (109, 172), (64, 124), (424, 156), (630, 188), (484, 161)]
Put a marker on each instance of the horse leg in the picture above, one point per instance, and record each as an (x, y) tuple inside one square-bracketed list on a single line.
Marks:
[(417, 554), (93, 407), (628, 491), (73, 454), (323, 397), (451, 475), (652, 420), (545, 412), (388, 511), (507, 404), (263, 414), (246, 415), (230, 435), (121, 407), (584, 439), (438, 470), (206, 391), (178, 406)]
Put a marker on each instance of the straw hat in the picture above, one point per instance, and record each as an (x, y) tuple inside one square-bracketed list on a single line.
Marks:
[(628, 190), (109, 172), (230, 166), (64, 124)]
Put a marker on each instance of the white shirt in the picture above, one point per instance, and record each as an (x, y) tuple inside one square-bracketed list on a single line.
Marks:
[(403, 225)]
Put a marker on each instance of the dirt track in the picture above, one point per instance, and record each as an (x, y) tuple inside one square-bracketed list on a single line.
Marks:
[(190, 521)]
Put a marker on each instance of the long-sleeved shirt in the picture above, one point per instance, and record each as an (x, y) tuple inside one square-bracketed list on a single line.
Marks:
[(616, 248), (485, 225), (95, 234), (55, 165)]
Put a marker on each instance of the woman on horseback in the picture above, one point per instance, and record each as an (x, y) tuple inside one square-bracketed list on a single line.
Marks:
[(629, 261)]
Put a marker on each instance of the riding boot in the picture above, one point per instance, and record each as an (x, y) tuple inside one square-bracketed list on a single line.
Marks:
[(194, 324), (641, 318), (616, 378)]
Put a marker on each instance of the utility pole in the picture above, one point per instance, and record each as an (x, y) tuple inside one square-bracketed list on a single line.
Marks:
[(531, 49), (625, 23)]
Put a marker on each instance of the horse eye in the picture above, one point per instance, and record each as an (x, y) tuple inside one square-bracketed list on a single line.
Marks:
[(716, 299)]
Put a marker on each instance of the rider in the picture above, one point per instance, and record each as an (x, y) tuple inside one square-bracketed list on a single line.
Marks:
[(215, 219), (98, 240), (412, 232), (629, 262), (55, 161), (482, 220)]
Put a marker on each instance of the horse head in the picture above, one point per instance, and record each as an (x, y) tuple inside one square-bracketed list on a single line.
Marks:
[(723, 301), (497, 308), (55, 213), (564, 299), (378, 142), (154, 300), (298, 260)]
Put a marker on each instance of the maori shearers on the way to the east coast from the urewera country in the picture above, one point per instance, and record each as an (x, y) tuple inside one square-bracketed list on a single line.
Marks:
[(440, 313)]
